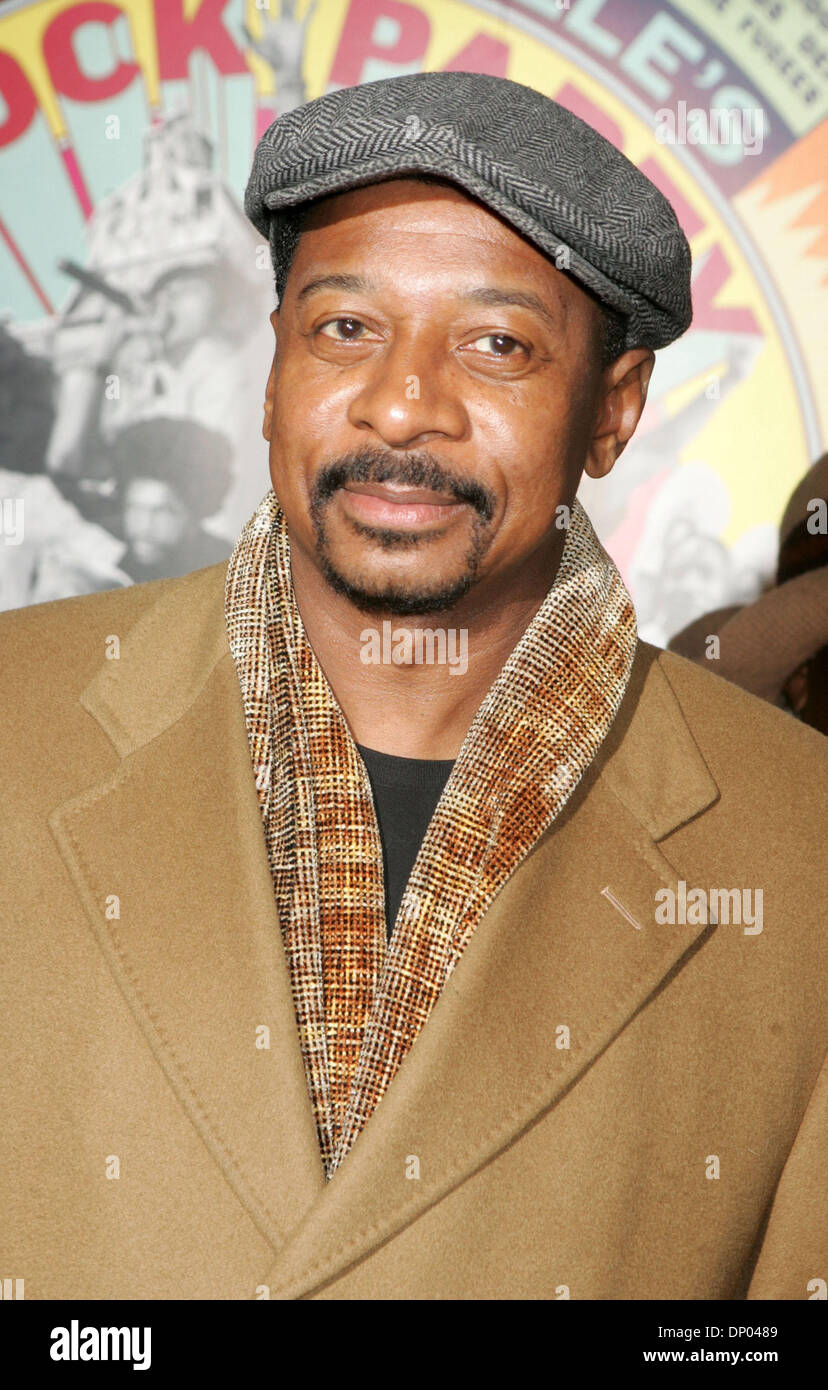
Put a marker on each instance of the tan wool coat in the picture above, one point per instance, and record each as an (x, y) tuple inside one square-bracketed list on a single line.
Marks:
[(602, 1105)]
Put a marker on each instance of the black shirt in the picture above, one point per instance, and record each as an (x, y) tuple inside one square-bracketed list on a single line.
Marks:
[(406, 792)]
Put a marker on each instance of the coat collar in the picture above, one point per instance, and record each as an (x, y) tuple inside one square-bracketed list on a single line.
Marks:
[(175, 832)]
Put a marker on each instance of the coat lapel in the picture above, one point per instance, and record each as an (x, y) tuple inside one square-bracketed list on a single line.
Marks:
[(570, 942), (175, 835)]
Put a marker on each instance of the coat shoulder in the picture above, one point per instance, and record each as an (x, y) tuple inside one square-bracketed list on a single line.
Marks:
[(60, 645), (770, 771), (52, 651), (732, 724)]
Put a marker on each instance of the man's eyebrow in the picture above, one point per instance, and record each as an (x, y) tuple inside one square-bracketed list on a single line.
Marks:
[(355, 284), (522, 299), (484, 294)]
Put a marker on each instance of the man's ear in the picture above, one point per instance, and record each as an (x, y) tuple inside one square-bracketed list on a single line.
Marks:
[(270, 388), (624, 392)]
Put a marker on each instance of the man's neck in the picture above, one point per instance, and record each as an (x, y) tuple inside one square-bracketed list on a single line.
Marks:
[(411, 686)]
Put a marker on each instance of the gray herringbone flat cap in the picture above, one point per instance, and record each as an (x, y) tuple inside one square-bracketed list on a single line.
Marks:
[(549, 174)]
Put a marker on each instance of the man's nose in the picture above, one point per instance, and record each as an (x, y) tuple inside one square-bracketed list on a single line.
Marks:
[(410, 393)]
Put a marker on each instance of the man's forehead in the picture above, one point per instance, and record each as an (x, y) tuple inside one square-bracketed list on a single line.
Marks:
[(437, 209)]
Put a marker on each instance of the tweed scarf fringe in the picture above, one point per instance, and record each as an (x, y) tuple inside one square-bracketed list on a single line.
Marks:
[(360, 1002)]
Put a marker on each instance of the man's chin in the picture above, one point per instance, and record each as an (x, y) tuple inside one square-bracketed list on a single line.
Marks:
[(399, 598)]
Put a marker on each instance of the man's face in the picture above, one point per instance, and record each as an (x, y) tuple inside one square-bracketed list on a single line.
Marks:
[(185, 305), (154, 518), (433, 396)]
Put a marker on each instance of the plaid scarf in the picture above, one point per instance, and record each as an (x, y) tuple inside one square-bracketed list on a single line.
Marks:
[(361, 1002)]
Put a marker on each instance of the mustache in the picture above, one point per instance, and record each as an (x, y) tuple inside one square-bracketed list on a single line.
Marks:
[(414, 470)]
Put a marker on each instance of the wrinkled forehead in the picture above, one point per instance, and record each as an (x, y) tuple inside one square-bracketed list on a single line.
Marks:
[(428, 220)]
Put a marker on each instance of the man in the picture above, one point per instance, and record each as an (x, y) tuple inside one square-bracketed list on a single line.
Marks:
[(47, 548), (179, 360), (170, 475), (777, 647), (565, 1039)]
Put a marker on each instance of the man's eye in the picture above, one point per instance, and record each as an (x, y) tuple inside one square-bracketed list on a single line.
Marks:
[(499, 345), (346, 330)]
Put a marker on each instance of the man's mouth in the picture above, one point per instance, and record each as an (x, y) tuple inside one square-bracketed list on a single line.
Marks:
[(398, 507)]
